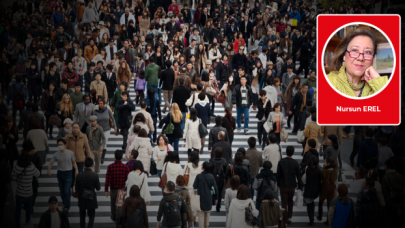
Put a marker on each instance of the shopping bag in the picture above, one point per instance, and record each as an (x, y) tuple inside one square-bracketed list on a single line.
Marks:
[(297, 201), (300, 136), (195, 201), (120, 197)]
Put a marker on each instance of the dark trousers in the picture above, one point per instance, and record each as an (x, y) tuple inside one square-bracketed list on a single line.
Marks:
[(3, 200), (80, 167), (219, 196), (251, 190), (91, 213), (297, 121), (124, 133), (262, 134), (287, 194), (15, 112), (355, 150), (189, 151), (304, 65), (49, 127), (113, 198), (311, 211), (320, 205), (381, 174), (289, 120), (139, 96), (231, 139), (84, 128), (211, 98)]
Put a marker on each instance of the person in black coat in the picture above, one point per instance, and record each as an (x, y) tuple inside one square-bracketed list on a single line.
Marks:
[(238, 60), (177, 131), (264, 106), (204, 183), (213, 135), (172, 28), (305, 57), (307, 156), (89, 77), (297, 40), (224, 145), (110, 80), (298, 105), (46, 217), (313, 186), (89, 181), (246, 28), (223, 71), (125, 107), (231, 30), (237, 101), (180, 95), (219, 170), (203, 109), (166, 84), (239, 169)]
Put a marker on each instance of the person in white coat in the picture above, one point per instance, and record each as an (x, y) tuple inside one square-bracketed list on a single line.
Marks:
[(191, 134), (230, 193), (192, 168), (139, 178), (160, 152), (126, 17), (271, 92), (142, 145), (236, 215), (172, 168)]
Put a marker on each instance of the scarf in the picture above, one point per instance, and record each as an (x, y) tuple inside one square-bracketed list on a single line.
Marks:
[(304, 102), (225, 63), (67, 131), (92, 131)]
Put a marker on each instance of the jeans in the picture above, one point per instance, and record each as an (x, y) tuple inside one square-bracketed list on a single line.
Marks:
[(245, 111), (155, 87), (65, 182), (19, 201), (192, 16), (230, 139), (258, 208), (183, 121), (159, 173), (15, 112), (251, 190), (74, 30), (174, 142), (154, 136), (91, 213)]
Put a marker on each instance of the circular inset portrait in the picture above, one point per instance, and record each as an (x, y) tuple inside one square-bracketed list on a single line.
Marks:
[(358, 60)]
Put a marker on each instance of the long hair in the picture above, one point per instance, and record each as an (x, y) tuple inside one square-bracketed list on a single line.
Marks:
[(334, 140), (13, 128), (297, 87), (340, 51), (176, 113), (228, 112), (135, 200), (123, 73), (193, 114), (66, 108), (242, 193), (194, 159)]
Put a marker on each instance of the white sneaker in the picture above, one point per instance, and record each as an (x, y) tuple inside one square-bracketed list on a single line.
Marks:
[(246, 132), (238, 130)]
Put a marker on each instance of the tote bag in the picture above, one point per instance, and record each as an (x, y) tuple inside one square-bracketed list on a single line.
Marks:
[(283, 135), (195, 201)]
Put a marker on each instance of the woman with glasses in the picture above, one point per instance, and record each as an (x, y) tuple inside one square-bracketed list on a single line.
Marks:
[(353, 73)]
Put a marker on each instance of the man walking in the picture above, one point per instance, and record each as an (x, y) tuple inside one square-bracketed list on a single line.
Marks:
[(78, 143), (97, 141), (82, 114), (125, 107), (255, 160), (213, 135), (298, 106), (53, 216), (242, 99), (152, 72), (180, 95)]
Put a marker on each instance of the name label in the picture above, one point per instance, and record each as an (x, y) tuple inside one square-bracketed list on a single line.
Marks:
[(358, 109)]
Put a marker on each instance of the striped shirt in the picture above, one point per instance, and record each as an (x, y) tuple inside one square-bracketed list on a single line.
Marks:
[(244, 94), (24, 179)]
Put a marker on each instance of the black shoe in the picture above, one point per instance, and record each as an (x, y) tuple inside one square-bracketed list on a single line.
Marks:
[(311, 223), (218, 209), (289, 221), (102, 156), (326, 223), (351, 162)]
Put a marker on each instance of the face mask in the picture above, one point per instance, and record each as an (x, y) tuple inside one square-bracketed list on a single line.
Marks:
[(61, 147), (32, 67), (211, 75), (230, 79)]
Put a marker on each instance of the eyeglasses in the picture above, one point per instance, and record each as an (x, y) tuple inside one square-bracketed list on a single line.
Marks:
[(355, 54)]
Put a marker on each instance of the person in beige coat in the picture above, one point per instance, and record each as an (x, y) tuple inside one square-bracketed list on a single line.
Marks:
[(144, 23), (148, 119), (99, 86), (79, 146), (144, 148), (312, 131)]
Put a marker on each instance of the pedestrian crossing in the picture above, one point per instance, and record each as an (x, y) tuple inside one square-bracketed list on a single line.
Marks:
[(49, 185)]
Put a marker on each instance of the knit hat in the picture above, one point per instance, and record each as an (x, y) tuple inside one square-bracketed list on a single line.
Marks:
[(101, 23), (208, 62), (52, 199), (93, 118), (67, 120)]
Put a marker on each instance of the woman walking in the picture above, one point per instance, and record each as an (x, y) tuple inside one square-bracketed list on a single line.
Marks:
[(191, 133), (175, 117), (160, 152), (192, 169), (105, 119), (140, 179), (312, 186), (48, 106), (236, 216), (270, 211), (229, 122), (329, 177), (142, 145), (132, 203), (64, 108), (172, 168), (275, 121)]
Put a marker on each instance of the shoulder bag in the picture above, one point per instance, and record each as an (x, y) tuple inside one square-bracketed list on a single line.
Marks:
[(170, 127), (55, 120), (195, 201), (202, 130), (250, 219), (153, 167), (210, 90), (304, 176), (163, 179), (212, 189), (186, 175), (300, 136), (283, 135), (221, 97)]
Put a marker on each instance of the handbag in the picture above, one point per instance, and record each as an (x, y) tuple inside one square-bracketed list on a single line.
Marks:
[(283, 135), (74, 193), (250, 219), (112, 123), (153, 167), (120, 197), (170, 127), (55, 120), (210, 90), (202, 130), (163, 179), (195, 201), (300, 136), (186, 176), (304, 177), (222, 98)]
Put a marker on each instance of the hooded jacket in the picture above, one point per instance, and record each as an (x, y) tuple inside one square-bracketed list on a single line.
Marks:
[(145, 151), (183, 192), (141, 180), (270, 180), (236, 215)]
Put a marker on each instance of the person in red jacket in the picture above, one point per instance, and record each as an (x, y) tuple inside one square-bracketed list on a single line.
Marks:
[(174, 7), (71, 75), (281, 27)]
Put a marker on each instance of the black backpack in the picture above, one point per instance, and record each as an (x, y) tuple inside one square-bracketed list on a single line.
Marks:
[(262, 188), (173, 212), (218, 172), (18, 98), (135, 220)]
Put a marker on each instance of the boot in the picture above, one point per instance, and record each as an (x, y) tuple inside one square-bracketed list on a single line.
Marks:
[(102, 156), (201, 150)]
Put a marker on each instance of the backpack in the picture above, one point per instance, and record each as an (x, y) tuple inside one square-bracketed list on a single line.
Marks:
[(173, 212), (149, 38), (218, 173), (135, 220), (152, 109), (18, 98), (262, 188)]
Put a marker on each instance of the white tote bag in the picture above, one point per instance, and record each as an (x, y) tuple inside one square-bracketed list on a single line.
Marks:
[(195, 201), (300, 136)]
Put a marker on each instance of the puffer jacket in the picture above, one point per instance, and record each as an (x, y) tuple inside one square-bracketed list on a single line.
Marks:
[(79, 146), (144, 148)]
